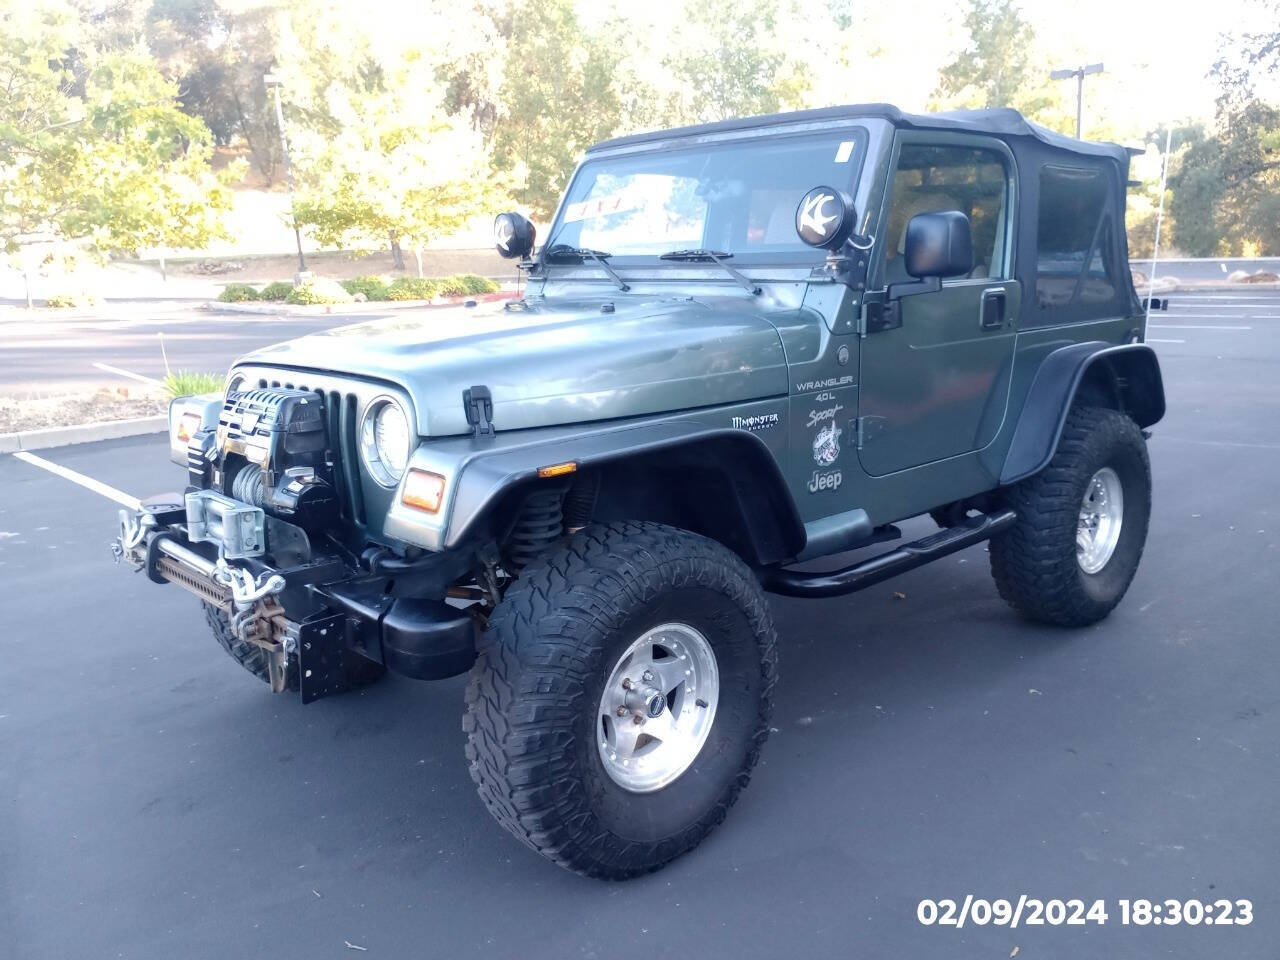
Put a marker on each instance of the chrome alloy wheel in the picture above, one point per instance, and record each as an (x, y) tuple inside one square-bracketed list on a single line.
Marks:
[(657, 707), (1101, 515)]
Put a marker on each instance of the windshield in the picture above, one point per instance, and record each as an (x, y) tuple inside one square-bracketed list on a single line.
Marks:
[(738, 197)]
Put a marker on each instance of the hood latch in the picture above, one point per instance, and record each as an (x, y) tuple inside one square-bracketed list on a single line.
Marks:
[(477, 403)]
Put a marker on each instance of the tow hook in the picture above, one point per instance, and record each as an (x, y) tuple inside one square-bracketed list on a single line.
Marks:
[(245, 590), (133, 530)]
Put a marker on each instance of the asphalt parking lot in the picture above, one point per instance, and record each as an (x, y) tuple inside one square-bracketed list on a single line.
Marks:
[(155, 801)]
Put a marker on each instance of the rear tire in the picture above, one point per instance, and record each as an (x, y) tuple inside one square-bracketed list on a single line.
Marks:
[(1038, 565), (361, 671), (540, 722)]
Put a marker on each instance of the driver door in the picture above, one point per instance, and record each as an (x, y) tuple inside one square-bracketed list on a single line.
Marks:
[(936, 385)]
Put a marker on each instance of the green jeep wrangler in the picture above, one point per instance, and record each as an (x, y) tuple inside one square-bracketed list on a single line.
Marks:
[(742, 346)]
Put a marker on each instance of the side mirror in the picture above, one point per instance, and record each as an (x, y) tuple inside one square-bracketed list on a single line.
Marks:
[(938, 245), (513, 235), (825, 218)]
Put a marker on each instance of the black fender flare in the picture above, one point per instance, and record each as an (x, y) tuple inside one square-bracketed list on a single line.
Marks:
[(1132, 370), (767, 509)]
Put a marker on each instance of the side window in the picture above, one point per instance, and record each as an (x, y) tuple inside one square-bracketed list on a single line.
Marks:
[(1075, 261), (930, 179)]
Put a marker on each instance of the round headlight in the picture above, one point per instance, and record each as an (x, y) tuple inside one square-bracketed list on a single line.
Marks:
[(385, 442)]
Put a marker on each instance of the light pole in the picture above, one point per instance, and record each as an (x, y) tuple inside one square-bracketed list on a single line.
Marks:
[(273, 82), (1079, 73)]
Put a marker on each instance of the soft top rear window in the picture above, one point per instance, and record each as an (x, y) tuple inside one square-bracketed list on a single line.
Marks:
[(1075, 261)]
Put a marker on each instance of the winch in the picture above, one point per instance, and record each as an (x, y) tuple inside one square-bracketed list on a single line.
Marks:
[(269, 449)]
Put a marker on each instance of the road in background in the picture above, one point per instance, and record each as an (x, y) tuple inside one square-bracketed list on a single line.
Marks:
[(156, 801), (1207, 270), (50, 353)]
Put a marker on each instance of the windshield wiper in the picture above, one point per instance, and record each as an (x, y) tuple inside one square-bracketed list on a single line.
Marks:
[(717, 257), (562, 251)]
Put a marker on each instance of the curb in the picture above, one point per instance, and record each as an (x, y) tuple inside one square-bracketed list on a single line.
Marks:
[(50, 437), (369, 306), (1215, 288)]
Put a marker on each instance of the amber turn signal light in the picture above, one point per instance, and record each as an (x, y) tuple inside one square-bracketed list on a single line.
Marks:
[(558, 469), (187, 426), (423, 491)]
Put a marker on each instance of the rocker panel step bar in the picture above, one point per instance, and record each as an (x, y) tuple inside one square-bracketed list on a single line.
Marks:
[(798, 583)]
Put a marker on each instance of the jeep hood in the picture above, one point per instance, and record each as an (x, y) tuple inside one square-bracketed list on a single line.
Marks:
[(555, 362)]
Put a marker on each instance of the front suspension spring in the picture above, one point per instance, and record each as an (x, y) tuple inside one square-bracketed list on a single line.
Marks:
[(541, 523)]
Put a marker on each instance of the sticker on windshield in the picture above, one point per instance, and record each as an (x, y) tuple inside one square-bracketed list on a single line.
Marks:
[(844, 151), (601, 206)]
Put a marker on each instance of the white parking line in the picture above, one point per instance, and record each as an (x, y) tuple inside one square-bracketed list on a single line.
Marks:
[(1154, 340), (1194, 326), (127, 373), (97, 486)]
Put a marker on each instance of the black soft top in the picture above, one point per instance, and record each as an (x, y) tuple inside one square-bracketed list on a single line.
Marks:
[(1073, 279), (1003, 122)]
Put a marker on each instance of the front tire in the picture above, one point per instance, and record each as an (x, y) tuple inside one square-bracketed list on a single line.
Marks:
[(549, 720), (1082, 523)]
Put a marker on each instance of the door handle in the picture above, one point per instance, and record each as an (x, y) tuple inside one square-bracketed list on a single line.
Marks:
[(993, 308)]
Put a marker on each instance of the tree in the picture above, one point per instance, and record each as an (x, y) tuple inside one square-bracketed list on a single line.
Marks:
[(999, 65), (375, 154), (725, 63), (1226, 189), (217, 53), (93, 146), (556, 98)]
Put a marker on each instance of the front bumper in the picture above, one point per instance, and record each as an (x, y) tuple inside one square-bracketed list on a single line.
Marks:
[(309, 610)]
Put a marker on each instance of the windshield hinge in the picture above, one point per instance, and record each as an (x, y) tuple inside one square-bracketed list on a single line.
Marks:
[(477, 403)]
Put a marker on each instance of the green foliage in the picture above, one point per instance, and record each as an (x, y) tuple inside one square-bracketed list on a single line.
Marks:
[(277, 290), (71, 299), (238, 293), (187, 383), (221, 83), (725, 65), (377, 156), (556, 99), (465, 284), (413, 288), (373, 288), (1225, 188), (93, 144), (1000, 65), (316, 291)]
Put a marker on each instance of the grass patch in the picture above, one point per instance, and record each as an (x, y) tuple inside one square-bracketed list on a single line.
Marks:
[(189, 383)]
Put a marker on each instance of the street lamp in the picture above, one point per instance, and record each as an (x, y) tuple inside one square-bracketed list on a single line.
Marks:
[(1079, 73), (273, 82)]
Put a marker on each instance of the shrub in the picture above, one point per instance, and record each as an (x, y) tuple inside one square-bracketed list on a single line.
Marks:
[(279, 290), (318, 290), (465, 284), (238, 293), (187, 383), (413, 288), (477, 284), (71, 299), (373, 288)]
